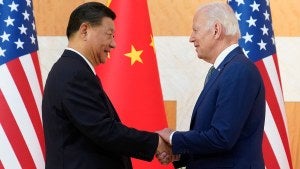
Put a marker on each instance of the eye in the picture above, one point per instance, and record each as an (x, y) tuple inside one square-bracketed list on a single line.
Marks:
[(110, 35), (195, 31)]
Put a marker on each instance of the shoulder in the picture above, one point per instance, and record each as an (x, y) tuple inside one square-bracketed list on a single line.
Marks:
[(241, 68), (70, 62), (68, 68)]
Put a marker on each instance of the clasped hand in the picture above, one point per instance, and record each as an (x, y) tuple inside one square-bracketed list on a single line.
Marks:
[(164, 150)]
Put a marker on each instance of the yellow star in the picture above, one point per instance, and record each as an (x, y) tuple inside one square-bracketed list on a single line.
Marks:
[(135, 55), (152, 43), (108, 2)]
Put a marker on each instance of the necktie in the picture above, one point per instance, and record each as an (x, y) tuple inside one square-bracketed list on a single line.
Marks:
[(209, 73)]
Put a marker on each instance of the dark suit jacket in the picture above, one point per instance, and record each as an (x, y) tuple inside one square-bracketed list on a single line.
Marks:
[(82, 128), (227, 123)]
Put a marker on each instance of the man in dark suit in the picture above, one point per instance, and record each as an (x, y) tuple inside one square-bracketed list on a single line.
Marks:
[(82, 128), (227, 123)]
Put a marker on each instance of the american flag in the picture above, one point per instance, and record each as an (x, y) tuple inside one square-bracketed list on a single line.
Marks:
[(21, 131), (258, 43)]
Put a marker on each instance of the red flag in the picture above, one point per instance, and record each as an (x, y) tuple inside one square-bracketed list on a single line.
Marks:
[(130, 76), (21, 130), (257, 40)]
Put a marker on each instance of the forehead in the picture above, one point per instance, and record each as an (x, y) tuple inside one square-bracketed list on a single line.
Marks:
[(198, 20), (199, 16), (108, 24)]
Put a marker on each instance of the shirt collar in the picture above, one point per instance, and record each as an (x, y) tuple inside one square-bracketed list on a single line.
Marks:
[(87, 61), (223, 54)]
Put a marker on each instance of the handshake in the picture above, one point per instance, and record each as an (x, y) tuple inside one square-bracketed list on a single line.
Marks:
[(164, 152)]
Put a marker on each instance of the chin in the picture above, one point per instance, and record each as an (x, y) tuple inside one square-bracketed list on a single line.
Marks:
[(102, 61), (200, 57)]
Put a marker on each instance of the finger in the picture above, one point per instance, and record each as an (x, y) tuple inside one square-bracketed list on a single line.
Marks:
[(166, 160), (162, 155)]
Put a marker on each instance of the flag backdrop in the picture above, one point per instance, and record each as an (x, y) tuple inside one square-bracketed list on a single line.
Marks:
[(21, 131), (130, 76), (257, 41)]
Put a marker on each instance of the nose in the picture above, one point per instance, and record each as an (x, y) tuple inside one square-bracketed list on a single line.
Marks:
[(192, 39), (113, 44)]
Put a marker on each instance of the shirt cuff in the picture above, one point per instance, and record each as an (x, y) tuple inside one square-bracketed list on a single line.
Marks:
[(171, 136)]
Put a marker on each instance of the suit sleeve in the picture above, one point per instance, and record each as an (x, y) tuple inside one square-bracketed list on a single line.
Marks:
[(86, 107), (236, 91)]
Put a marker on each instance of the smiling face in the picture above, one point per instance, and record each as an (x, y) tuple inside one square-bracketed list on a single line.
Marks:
[(203, 37), (100, 40)]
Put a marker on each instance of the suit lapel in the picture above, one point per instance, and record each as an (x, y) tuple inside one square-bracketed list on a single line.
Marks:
[(109, 104), (74, 55), (212, 79), (206, 88)]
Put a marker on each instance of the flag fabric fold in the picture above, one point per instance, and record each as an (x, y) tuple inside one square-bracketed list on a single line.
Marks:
[(258, 42), (21, 130), (130, 76)]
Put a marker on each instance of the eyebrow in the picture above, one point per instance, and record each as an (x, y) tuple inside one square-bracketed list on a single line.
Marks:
[(109, 29)]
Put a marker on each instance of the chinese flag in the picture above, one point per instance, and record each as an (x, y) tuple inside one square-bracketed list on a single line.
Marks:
[(130, 76)]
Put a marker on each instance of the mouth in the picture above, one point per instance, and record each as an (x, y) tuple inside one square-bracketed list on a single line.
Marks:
[(107, 53)]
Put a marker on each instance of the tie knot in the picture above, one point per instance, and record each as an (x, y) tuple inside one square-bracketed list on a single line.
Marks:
[(211, 69), (209, 73)]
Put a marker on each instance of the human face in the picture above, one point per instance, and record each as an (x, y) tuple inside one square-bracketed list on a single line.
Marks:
[(202, 37), (101, 41)]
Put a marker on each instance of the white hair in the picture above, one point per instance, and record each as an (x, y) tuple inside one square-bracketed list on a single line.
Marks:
[(223, 13)]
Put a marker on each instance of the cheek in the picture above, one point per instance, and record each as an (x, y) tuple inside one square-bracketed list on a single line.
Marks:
[(102, 42), (199, 38), (99, 46), (203, 41)]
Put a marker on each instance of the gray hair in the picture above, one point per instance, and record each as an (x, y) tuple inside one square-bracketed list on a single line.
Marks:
[(223, 13)]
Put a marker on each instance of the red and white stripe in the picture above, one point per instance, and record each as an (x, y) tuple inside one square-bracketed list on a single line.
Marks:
[(275, 144), (21, 130)]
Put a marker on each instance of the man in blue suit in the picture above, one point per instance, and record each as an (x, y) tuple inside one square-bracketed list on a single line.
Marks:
[(227, 123)]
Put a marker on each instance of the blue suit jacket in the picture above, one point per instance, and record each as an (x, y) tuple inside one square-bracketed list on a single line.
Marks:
[(227, 123), (82, 128)]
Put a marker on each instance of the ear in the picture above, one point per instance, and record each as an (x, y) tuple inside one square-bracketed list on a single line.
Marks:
[(218, 29), (83, 30)]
